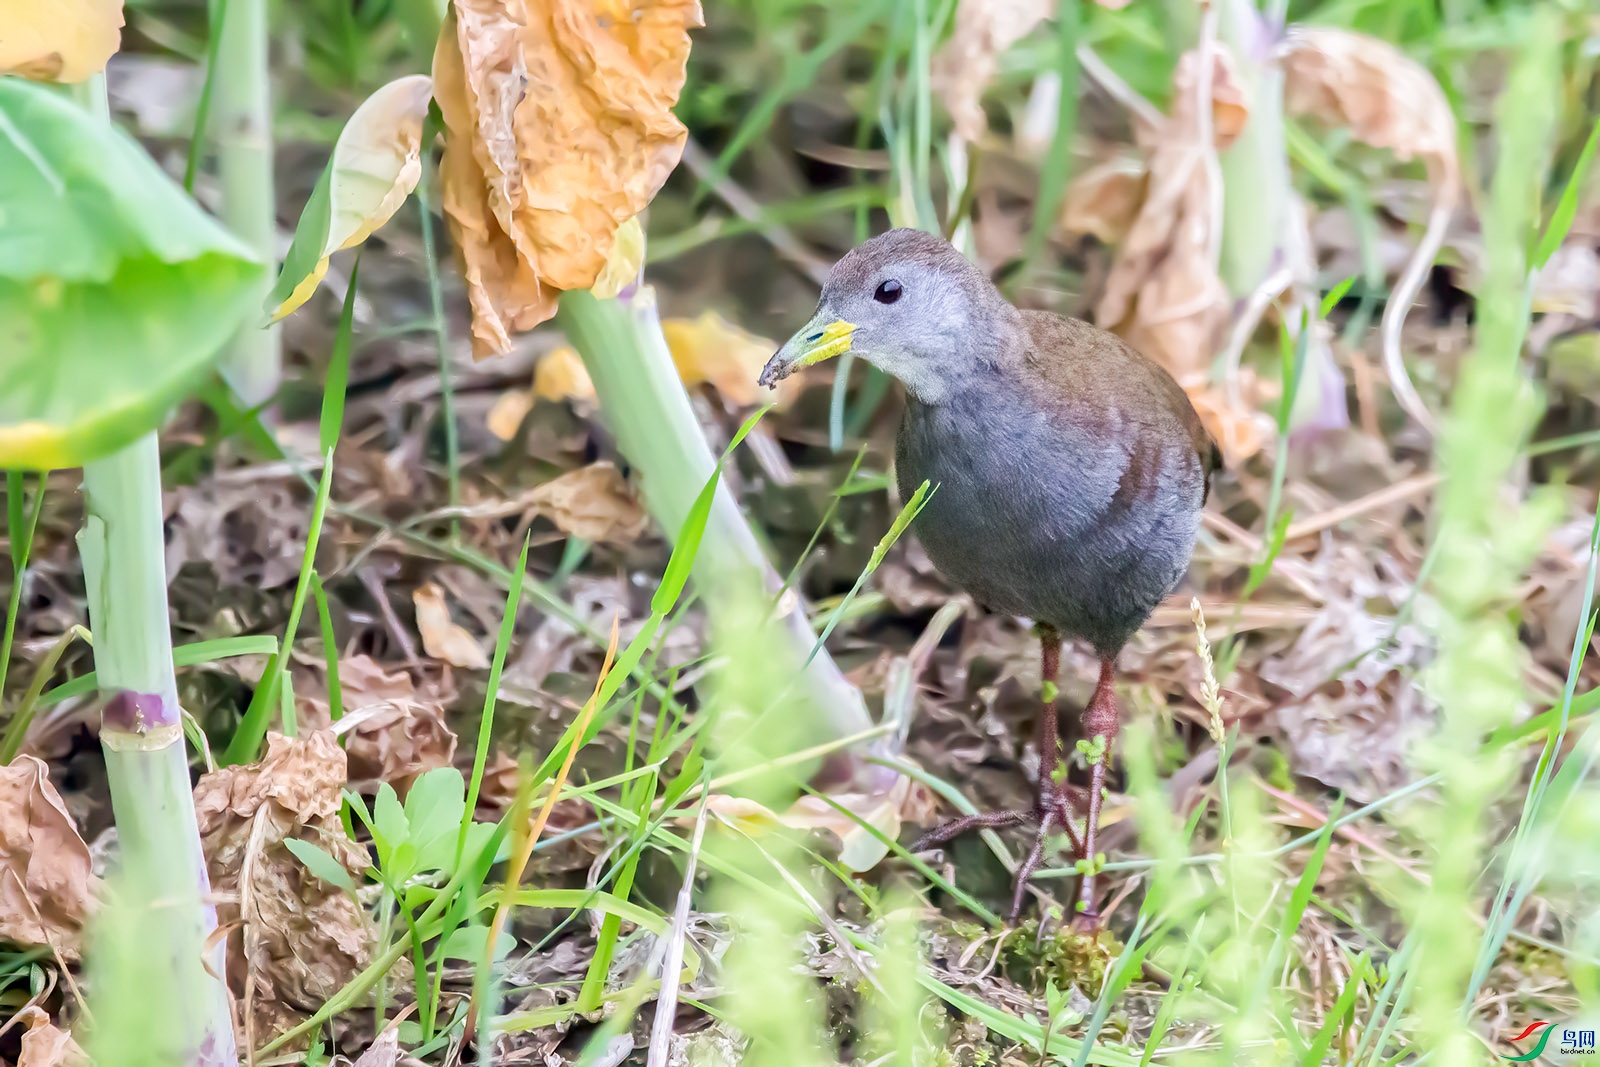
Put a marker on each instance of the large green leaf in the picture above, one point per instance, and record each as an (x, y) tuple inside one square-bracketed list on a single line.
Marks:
[(116, 291)]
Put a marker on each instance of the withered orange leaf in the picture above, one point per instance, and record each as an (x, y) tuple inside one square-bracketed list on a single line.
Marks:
[(559, 130)]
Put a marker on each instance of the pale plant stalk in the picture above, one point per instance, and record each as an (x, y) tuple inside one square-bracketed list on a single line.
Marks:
[(645, 406), (147, 763), (242, 121), (123, 548), (1485, 539)]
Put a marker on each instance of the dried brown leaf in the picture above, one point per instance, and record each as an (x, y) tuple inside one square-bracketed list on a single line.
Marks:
[(46, 884), (442, 637), (594, 503), (393, 732), (559, 130), (967, 63), (1386, 98), (1104, 200), (61, 41), (1164, 293), (46, 1045), (300, 939), (1239, 430)]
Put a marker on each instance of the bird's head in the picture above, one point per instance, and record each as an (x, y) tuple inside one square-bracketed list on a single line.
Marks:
[(909, 304)]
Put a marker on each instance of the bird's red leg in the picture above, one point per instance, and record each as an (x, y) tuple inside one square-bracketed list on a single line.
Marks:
[(1100, 726)]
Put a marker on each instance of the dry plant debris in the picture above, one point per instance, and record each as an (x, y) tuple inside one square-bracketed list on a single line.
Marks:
[(46, 884), (393, 732), (443, 637), (593, 503), (299, 939), (559, 130), (65, 41), (44, 1044), (967, 63)]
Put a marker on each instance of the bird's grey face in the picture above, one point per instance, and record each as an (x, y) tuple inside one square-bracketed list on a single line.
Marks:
[(905, 302)]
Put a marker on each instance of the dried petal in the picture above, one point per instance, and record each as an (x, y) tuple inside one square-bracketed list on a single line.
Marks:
[(46, 1045), (45, 882), (593, 503), (442, 637), (504, 292), (301, 939), (560, 129), (62, 41), (967, 63), (1386, 98)]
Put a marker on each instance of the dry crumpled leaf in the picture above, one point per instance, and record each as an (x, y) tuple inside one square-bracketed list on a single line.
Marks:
[(376, 162), (1163, 293), (393, 732), (559, 129), (46, 1045), (61, 41), (442, 637), (46, 884), (300, 938), (902, 800), (594, 503), (1386, 98), (1239, 430)]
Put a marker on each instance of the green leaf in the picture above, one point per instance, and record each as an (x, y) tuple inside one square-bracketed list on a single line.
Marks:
[(338, 379), (470, 942), (434, 809), (390, 830), (374, 167), (117, 292), (1567, 207), (320, 863)]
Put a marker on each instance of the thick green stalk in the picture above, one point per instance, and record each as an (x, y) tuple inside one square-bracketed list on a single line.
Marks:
[(243, 125), (147, 765), (1255, 168), (647, 409)]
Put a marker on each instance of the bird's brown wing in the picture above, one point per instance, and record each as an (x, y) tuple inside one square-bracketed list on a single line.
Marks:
[(1089, 371)]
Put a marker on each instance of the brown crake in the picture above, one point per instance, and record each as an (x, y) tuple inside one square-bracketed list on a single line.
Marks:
[(1070, 471)]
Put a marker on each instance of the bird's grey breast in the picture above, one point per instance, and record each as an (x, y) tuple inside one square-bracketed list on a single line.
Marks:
[(1080, 525)]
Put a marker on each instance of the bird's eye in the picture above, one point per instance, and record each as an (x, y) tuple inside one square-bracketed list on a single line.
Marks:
[(888, 292)]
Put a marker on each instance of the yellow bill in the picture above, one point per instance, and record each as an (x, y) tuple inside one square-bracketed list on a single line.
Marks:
[(820, 339)]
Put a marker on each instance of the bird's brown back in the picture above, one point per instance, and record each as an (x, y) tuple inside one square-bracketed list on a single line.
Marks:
[(1091, 375)]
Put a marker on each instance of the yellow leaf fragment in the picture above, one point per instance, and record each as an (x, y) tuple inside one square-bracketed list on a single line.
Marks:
[(559, 130), (561, 375), (442, 637), (509, 409), (622, 265), (58, 40), (1386, 98), (710, 350), (46, 885), (967, 63), (593, 503)]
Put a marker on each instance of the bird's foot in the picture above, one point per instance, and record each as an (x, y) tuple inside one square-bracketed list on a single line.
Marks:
[(1056, 812)]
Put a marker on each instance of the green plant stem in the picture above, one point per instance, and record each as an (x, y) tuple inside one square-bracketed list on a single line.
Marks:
[(243, 124), (147, 765), (647, 409), (1255, 168)]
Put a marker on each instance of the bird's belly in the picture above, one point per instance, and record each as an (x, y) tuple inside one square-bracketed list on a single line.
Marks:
[(1043, 537)]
